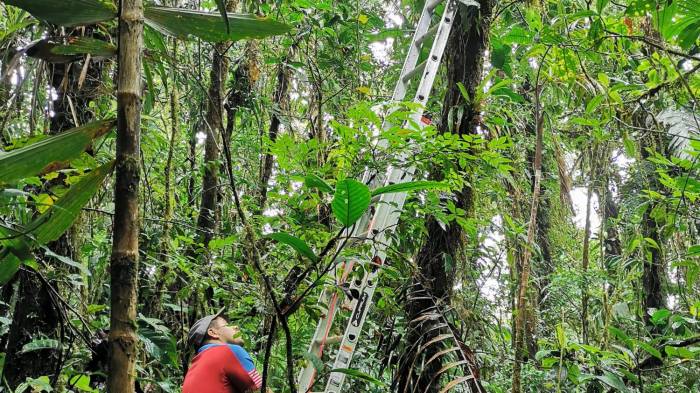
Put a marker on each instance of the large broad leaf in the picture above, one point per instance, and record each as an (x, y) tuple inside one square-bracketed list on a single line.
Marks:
[(210, 27), (296, 243), (350, 201), (59, 217), (68, 12), (613, 381), (39, 157), (50, 225), (43, 343), (409, 186), (82, 45)]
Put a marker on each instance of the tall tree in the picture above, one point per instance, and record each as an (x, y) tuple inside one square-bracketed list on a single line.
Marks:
[(464, 56), (125, 240)]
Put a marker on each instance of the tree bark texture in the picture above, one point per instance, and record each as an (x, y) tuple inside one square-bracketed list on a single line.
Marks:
[(35, 314), (521, 305), (584, 266), (213, 124), (280, 104), (125, 241), (653, 273), (464, 62)]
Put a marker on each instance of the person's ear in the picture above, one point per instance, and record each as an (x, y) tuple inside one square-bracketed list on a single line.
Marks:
[(213, 333)]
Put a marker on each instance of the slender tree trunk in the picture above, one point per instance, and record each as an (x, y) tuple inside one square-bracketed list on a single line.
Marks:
[(125, 242), (280, 104), (213, 128), (584, 266), (464, 61), (525, 272), (653, 274), (154, 302)]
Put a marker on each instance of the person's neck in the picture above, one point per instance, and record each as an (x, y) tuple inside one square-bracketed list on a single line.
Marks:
[(214, 342)]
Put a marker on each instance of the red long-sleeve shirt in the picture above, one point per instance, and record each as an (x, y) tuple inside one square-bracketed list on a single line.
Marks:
[(221, 368)]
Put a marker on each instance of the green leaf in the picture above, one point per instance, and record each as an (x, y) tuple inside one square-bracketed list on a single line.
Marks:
[(649, 349), (350, 201), (619, 334), (68, 261), (517, 35), (313, 181), (158, 345), (44, 343), (410, 186), (694, 250), (561, 336), (51, 225), (659, 316), (68, 12), (594, 103), (41, 156), (15, 251), (613, 381), (209, 27), (296, 243), (679, 352), (89, 45), (351, 372)]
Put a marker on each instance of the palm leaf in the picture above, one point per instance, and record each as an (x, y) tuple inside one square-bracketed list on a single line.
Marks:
[(59, 217), (68, 12), (210, 27), (50, 225), (41, 156)]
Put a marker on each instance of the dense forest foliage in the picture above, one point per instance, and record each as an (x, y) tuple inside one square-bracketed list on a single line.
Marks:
[(163, 160)]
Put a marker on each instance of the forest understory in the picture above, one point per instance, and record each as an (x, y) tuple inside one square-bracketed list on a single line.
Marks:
[(165, 159)]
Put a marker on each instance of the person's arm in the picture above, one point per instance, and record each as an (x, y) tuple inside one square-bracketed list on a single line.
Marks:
[(254, 380)]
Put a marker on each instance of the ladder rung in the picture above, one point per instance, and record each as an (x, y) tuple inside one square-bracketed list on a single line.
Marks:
[(432, 4), (428, 34), (416, 71)]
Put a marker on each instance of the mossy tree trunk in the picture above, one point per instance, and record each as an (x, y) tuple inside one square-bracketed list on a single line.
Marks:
[(125, 241)]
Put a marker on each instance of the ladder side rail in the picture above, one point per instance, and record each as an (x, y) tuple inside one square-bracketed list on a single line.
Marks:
[(329, 296), (360, 311), (413, 52)]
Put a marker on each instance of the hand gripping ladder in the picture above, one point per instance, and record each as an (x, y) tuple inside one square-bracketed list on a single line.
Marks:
[(387, 210)]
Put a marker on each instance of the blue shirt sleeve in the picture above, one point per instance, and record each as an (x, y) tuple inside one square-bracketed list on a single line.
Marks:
[(243, 357)]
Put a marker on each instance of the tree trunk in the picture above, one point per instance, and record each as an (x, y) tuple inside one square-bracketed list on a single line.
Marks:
[(584, 266), (39, 314), (153, 303), (521, 305), (35, 314), (213, 128), (653, 274), (280, 104), (125, 242), (464, 62)]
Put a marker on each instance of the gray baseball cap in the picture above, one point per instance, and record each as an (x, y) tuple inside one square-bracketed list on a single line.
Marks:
[(198, 331)]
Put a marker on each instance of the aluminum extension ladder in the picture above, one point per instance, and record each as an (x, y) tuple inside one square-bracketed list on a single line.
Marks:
[(388, 207)]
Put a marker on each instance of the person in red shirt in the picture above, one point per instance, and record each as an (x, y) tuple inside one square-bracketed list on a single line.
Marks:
[(221, 365)]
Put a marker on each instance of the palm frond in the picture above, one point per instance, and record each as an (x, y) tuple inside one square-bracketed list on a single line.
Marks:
[(683, 126), (434, 357)]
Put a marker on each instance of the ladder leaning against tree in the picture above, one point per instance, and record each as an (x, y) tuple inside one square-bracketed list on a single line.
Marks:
[(388, 209)]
